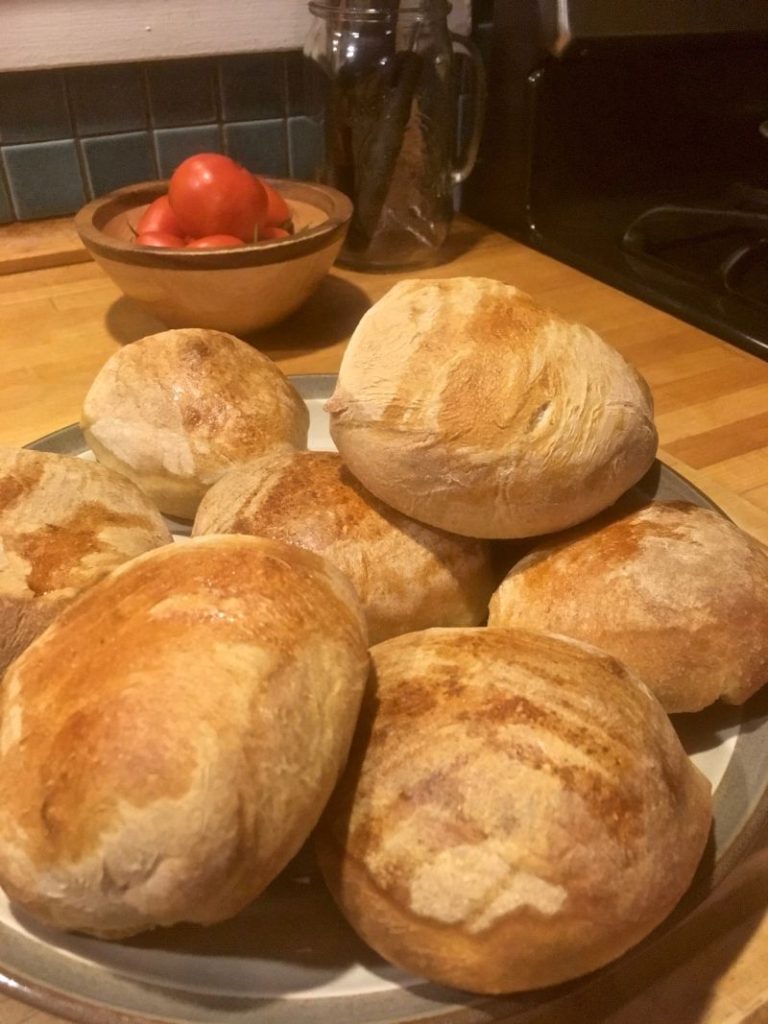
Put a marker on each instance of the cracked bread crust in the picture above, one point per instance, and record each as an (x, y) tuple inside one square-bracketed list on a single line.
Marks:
[(464, 404), (168, 743), (517, 810)]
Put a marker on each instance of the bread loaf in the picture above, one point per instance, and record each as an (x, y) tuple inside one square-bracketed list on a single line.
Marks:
[(64, 523), (408, 576), (463, 404), (169, 742), (517, 810), (176, 410), (675, 591)]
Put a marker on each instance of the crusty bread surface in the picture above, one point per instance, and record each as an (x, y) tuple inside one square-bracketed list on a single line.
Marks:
[(517, 810), (168, 743), (175, 410), (675, 591), (463, 404), (64, 523), (408, 576)]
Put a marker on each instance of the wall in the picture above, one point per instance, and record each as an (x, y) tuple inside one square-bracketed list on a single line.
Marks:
[(60, 33)]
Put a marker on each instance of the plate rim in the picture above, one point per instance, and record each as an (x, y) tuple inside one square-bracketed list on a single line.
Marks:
[(18, 984)]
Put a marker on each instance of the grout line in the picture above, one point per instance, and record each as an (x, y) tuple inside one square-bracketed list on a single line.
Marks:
[(219, 101), (85, 173), (149, 114), (286, 126)]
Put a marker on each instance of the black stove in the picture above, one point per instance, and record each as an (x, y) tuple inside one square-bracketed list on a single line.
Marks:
[(641, 159)]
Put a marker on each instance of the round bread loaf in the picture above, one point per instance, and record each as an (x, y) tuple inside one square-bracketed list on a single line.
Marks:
[(408, 576), (176, 410), (675, 591), (462, 403), (517, 810), (64, 523), (168, 743)]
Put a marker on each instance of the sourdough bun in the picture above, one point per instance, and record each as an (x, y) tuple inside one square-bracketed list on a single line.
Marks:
[(176, 410), (675, 591), (169, 742), (517, 810), (462, 403), (64, 523), (408, 576)]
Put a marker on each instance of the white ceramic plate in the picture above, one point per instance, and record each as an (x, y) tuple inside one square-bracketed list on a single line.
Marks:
[(290, 958)]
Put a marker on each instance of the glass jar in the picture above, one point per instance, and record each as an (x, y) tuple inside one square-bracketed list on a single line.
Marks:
[(389, 80)]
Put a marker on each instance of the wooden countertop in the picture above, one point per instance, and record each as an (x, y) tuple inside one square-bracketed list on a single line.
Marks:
[(58, 325)]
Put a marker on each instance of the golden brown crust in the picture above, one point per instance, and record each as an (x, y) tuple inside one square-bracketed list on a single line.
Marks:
[(64, 523), (675, 591), (408, 576), (175, 410), (167, 744), (517, 810), (462, 403)]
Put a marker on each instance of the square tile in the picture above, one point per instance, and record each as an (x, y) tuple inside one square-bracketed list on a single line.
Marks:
[(176, 144), (33, 107), (306, 147), (182, 92), (307, 84), (112, 161), (6, 210), (44, 178), (259, 145), (108, 98), (253, 87)]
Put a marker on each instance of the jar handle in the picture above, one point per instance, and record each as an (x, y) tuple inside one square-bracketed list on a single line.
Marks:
[(478, 93)]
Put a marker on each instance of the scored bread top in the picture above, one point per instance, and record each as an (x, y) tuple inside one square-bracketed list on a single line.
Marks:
[(677, 592), (464, 403), (183, 406), (64, 523), (517, 809), (408, 576), (167, 744)]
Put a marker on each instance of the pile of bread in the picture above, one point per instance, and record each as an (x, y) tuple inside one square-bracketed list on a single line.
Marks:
[(474, 734)]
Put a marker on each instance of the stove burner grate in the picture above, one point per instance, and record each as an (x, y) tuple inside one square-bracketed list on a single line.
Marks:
[(724, 248)]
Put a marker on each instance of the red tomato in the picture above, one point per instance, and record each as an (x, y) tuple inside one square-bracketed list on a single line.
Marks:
[(212, 195), (160, 240), (277, 208), (159, 216), (215, 242), (273, 231)]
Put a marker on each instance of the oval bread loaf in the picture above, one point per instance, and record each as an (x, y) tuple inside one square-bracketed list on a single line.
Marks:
[(517, 810), (463, 404), (408, 576), (168, 743), (64, 523), (675, 591), (176, 410)]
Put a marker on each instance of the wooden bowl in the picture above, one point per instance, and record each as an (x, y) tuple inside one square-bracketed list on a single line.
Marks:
[(237, 290)]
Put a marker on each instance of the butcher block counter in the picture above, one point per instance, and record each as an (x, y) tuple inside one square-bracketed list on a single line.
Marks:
[(59, 324)]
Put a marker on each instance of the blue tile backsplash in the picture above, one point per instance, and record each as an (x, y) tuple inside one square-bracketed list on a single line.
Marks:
[(253, 87), (33, 107), (108, 99), (183, 93), (259, 144), (112, 161), (44, 176), (175, 144), (69, 135)]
